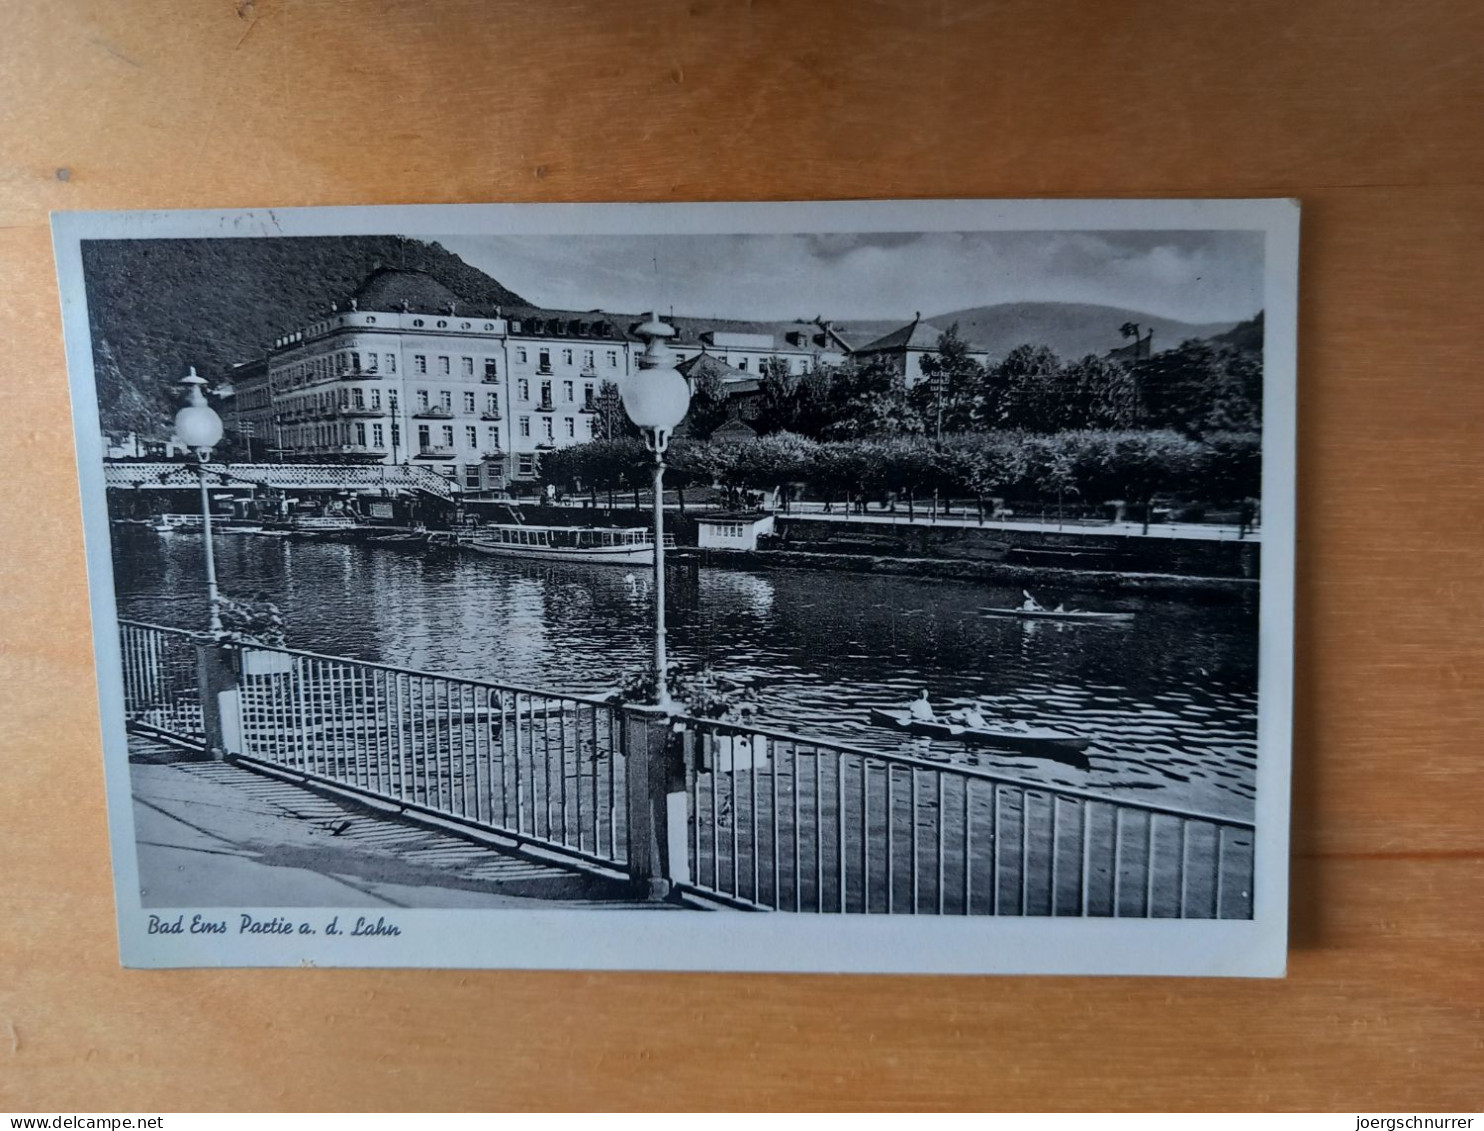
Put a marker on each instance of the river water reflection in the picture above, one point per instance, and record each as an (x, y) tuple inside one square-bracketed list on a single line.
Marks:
[(1171, 698)]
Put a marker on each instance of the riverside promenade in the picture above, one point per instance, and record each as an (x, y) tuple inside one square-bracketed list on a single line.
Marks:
[(211, 833), (922, 516)]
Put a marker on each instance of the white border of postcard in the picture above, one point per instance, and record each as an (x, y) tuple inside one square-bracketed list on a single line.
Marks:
[(641, 940)]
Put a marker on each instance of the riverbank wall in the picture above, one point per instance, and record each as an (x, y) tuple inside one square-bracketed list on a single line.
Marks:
[(1003, 574), (1081, 549)]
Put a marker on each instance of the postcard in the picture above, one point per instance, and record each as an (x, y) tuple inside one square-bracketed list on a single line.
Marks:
[(885, 586)]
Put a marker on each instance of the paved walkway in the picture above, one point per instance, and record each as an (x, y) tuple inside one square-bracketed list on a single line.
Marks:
[(213, 834), (1199, 532)]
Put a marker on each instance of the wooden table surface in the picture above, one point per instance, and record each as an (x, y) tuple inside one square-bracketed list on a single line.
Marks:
[(1368, 112)]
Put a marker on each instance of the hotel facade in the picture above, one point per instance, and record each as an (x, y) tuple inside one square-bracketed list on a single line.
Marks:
[(403, 371)]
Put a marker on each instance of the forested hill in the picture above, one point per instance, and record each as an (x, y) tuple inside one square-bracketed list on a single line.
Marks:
[(1071, 329), (159, 306)]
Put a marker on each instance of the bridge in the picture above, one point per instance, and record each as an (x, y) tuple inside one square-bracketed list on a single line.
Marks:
[(160, 475)]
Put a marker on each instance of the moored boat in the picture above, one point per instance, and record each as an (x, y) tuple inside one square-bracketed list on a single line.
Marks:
[(631, 545), (1059, 614), (177, 524), (1040, 741)]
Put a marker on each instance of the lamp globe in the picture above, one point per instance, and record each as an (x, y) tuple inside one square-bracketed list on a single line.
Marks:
[(657, 397), (197, 425)]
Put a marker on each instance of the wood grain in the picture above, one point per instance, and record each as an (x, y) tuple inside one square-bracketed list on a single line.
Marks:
[(1367, 112)]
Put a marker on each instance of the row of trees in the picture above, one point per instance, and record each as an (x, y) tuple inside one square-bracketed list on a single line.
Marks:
[(1201, 386), (1090, 467)]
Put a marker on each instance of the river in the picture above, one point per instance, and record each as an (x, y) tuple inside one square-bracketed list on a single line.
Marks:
[(1171, 698)]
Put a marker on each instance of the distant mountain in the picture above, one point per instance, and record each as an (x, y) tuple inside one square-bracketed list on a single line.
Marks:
[(1072, 329), (157, 307), (1245, 336)]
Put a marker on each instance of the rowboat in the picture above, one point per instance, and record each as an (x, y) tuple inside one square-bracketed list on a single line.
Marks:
[(1064, 614), (1038, 741), (632, 545)]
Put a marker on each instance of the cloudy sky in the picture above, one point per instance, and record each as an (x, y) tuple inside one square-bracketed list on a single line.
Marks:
[(1206, 276)]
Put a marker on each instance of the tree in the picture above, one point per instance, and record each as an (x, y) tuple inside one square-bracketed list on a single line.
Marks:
[(953, 385), (1143, 464), (708, 404), (1096, 392), (1201, 386), (771, 463), (870, 399), (1028, 393), (812, 405), (610, 421), (778, 397)]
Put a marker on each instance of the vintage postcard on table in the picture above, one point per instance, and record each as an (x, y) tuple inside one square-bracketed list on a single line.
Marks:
[(853, 586)]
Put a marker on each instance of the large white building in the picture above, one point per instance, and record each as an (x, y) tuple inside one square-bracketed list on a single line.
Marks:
[(402, 371)]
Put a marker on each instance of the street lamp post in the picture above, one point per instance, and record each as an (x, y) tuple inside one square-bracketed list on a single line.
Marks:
[(199, 428), (656, 399)]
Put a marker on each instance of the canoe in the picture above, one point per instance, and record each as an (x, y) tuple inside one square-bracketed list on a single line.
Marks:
[(1026, 740), (1052, 614)]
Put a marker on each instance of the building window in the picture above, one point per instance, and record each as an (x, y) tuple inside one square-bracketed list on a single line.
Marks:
[(588, 393), (378, 435), (571, 428), (520, 355), (422, 398), (566, 357), (527, 464), (492, 402), (396, 434), (472, 435), (545, 392), (545, 361), (587, 359), (490, 370), (568, 393), (358, 397), (443, 366), (445, 398), (592, 426), (466, 366), (370, 363), (424, 437), (391, 399), (419, 363), (742, 364), (375, 398), (361, 435), (471, 476), (448, 435), (468, 402), (492, 437), (391, 363), (546, 421), (525, 425), (612, 359), (524, 388)]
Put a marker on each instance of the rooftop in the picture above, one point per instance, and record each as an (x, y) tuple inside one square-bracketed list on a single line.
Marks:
[(915, 335)]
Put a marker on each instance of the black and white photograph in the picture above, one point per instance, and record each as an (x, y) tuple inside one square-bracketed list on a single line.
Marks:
[(868, 586)]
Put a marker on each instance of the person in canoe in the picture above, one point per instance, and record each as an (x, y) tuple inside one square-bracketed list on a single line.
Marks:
[(1031, 605), (920, 710), (970, 718)]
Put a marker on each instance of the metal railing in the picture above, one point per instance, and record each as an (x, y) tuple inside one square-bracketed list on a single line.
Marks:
[(792, 824), (284, 476), (535, 766), (771, 820), (162, 682)]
